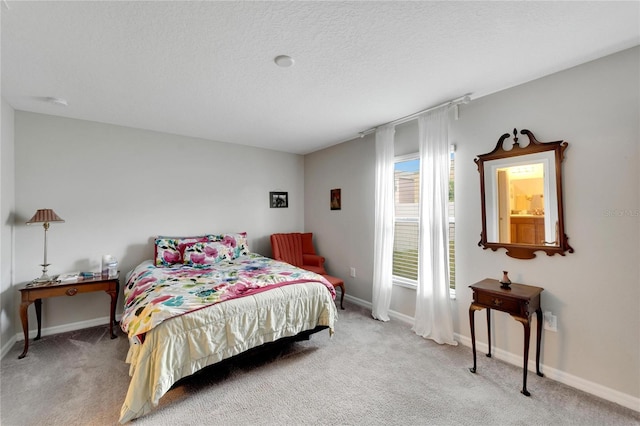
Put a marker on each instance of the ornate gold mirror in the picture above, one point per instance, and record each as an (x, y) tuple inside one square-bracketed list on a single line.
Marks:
[(521, 194)]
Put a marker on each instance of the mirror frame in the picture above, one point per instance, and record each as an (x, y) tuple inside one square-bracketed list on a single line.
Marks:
[(525, 251)]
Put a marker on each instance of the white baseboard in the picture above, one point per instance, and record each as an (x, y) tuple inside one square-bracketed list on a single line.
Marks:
[(48, 331), (576, 382), (392, 314), (596, 389), (7, 346), (356, 301)]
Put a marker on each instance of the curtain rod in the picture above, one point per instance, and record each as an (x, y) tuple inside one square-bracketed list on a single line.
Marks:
[(464, 99)]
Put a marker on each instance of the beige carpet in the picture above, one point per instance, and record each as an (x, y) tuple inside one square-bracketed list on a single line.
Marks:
[(369, 373)]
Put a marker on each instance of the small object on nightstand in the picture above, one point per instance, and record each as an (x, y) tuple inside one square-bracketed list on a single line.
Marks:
[(68, 277), (90, 275), (505, 282), (109, 266)]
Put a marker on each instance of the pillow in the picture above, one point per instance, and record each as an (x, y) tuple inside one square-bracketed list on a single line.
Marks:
[(236, 242), (202, 254), (169, 250)]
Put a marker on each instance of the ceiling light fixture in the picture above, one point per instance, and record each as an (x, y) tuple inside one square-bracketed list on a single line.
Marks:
[(284, 61), (57, 101)]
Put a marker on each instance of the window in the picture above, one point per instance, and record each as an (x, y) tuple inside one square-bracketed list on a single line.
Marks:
[(407, 198)]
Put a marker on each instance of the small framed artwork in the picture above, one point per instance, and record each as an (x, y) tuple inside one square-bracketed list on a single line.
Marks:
[(279, 200), (336, 200)]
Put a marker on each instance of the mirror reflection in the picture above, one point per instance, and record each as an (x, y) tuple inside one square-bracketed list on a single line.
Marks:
[(524, 210), (521, 204)]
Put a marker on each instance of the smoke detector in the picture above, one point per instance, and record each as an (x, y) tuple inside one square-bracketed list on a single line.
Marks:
[(284, 61)]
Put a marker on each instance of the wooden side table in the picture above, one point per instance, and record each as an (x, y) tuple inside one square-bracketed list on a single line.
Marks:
[(35, 293), (520, 301)]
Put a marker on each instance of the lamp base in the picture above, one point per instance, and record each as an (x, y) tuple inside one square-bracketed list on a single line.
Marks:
[(44, 278)]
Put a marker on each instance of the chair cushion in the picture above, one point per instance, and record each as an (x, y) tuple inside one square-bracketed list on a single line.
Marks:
[(317, 269), (337, 282)]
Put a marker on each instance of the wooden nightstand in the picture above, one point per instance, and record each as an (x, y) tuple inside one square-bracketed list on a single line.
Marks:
[(35, 293), (520, 301)]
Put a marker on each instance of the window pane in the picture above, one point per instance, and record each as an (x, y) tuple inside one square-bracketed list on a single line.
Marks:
[(405, 250), (407, 195), (452, 224), (452, 255), (407, 188)]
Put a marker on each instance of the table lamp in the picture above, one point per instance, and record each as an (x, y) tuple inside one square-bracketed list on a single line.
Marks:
[(44, 216)]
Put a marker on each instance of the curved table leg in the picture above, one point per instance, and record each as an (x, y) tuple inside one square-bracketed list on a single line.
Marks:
[(25, 327), (539, 330), (489, 331), (38, 304), (472, 323), (112, 312), (527, 335)]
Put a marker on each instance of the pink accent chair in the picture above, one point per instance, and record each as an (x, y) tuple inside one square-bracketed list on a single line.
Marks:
[(297, 249)]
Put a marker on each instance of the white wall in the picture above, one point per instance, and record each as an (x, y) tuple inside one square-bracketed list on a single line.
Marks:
[(7, 205), (343, 236), (116, 187), (596, 290)]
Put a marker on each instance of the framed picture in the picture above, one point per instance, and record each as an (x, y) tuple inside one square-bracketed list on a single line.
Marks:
[(279, 200), (336, 200)]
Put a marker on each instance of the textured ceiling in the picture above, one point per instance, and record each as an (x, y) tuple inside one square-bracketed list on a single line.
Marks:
[(206, 69)]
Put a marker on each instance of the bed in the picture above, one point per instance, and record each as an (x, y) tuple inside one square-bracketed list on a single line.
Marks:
[(204, 299)]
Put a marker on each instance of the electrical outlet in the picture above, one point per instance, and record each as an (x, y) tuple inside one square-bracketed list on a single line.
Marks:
[(550, 321), (352, 272)]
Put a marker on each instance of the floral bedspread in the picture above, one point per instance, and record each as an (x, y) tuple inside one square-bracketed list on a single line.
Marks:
[(153, 295)]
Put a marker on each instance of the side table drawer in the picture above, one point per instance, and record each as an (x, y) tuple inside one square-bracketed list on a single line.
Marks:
[(497, 302)]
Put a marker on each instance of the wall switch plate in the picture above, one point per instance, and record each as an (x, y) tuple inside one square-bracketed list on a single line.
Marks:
[(352, 272), (550, 321)]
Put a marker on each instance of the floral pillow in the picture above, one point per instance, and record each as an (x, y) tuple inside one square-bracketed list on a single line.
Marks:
[(237, 243), (202, 254), (169, 250)]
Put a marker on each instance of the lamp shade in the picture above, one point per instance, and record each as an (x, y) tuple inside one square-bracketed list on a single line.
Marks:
[(45, 216)]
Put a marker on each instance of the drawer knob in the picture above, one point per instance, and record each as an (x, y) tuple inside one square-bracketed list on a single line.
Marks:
[(497, 302), (72, 291)]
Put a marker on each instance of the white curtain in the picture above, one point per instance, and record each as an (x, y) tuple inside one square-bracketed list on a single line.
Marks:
[(384, 217), (434, 318)]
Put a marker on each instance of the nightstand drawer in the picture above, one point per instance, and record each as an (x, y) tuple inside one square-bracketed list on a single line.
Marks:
[(497, 302)]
